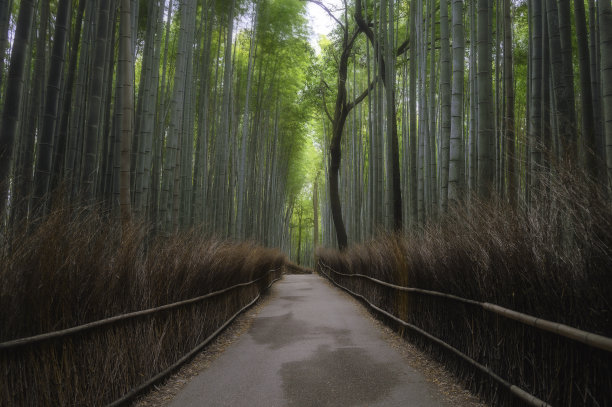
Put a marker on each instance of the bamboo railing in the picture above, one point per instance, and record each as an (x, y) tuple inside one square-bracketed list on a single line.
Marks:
[(585, 338), (22, 353)]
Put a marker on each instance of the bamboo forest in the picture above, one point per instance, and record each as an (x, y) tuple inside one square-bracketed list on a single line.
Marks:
[(163, 163)]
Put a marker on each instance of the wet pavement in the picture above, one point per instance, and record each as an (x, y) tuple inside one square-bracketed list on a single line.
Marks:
[(310, 345)]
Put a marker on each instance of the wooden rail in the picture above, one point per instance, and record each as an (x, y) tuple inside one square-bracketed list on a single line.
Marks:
[(587, 338), (517, 391), (576, 335), (109, 321), (130, 395), (68, 334)]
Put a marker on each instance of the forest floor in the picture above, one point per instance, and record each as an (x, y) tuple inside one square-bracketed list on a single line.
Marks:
[(308, 344)]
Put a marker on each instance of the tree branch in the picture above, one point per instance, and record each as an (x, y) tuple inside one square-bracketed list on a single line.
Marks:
[(363, 25), (360, 98), (325, 105), (405, 46), (353, 38), (325, 83), (327, 10)]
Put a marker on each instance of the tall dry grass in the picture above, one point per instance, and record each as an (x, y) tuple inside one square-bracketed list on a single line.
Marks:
[(76, 267), (552, 260)]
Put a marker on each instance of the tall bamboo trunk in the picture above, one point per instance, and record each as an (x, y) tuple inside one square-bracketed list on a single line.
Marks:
[(5, 14), (563, 90), (456, 177), (509, 104), (595, 65), (127, 106), (445, 101), (589, 138), (61, 146), (605, 49), (95, 105), (486, 173), (535, 99), (23, 171), (45, 145), (414, 207), (222, 204), (13, 97), (240, 212)]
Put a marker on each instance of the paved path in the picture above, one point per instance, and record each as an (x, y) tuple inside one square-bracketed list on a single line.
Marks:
[(309, 346)]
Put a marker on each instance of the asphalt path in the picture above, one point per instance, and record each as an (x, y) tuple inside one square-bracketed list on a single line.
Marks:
[(310, 345)]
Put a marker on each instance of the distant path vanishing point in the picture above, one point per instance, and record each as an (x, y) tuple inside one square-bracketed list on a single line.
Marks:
[(310, 346)]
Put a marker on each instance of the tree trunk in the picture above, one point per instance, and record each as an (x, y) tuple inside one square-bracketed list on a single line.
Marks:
[(340, 114), (172, 157), (95, 104), (486, 173), (23, 172), (605, 49), (586, 96), (62, 139), (201, 161), (595, 65), (431, 153), (456, 177), (299, 248), (157, 194), (389, 82), (423, 122), (509, 103), (565, 112), (473, 131), (5, 14), (570, 146), (549, 122), (222, 205), (315, 208), (13, 97), (145, 111), (535, 99), (45, 145), (414, 206), (445, 102), (240, 217), (75, 125), (127, 106)]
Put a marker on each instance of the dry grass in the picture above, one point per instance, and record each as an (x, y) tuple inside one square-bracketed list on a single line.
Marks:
[(75, 269), (553, 261)]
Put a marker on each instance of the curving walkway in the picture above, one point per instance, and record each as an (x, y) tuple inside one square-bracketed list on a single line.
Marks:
[(310, 346)]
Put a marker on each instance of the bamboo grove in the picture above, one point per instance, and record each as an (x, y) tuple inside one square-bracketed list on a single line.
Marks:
[(210, 113), (445, 100), (177, 113)]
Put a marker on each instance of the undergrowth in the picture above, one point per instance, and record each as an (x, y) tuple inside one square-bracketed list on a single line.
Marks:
[(77, 267)]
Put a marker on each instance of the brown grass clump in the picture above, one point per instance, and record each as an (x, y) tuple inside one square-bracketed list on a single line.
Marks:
[(78, 268), (552, 261)]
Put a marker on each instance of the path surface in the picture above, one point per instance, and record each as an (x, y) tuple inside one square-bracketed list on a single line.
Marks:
[(310, 346)]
